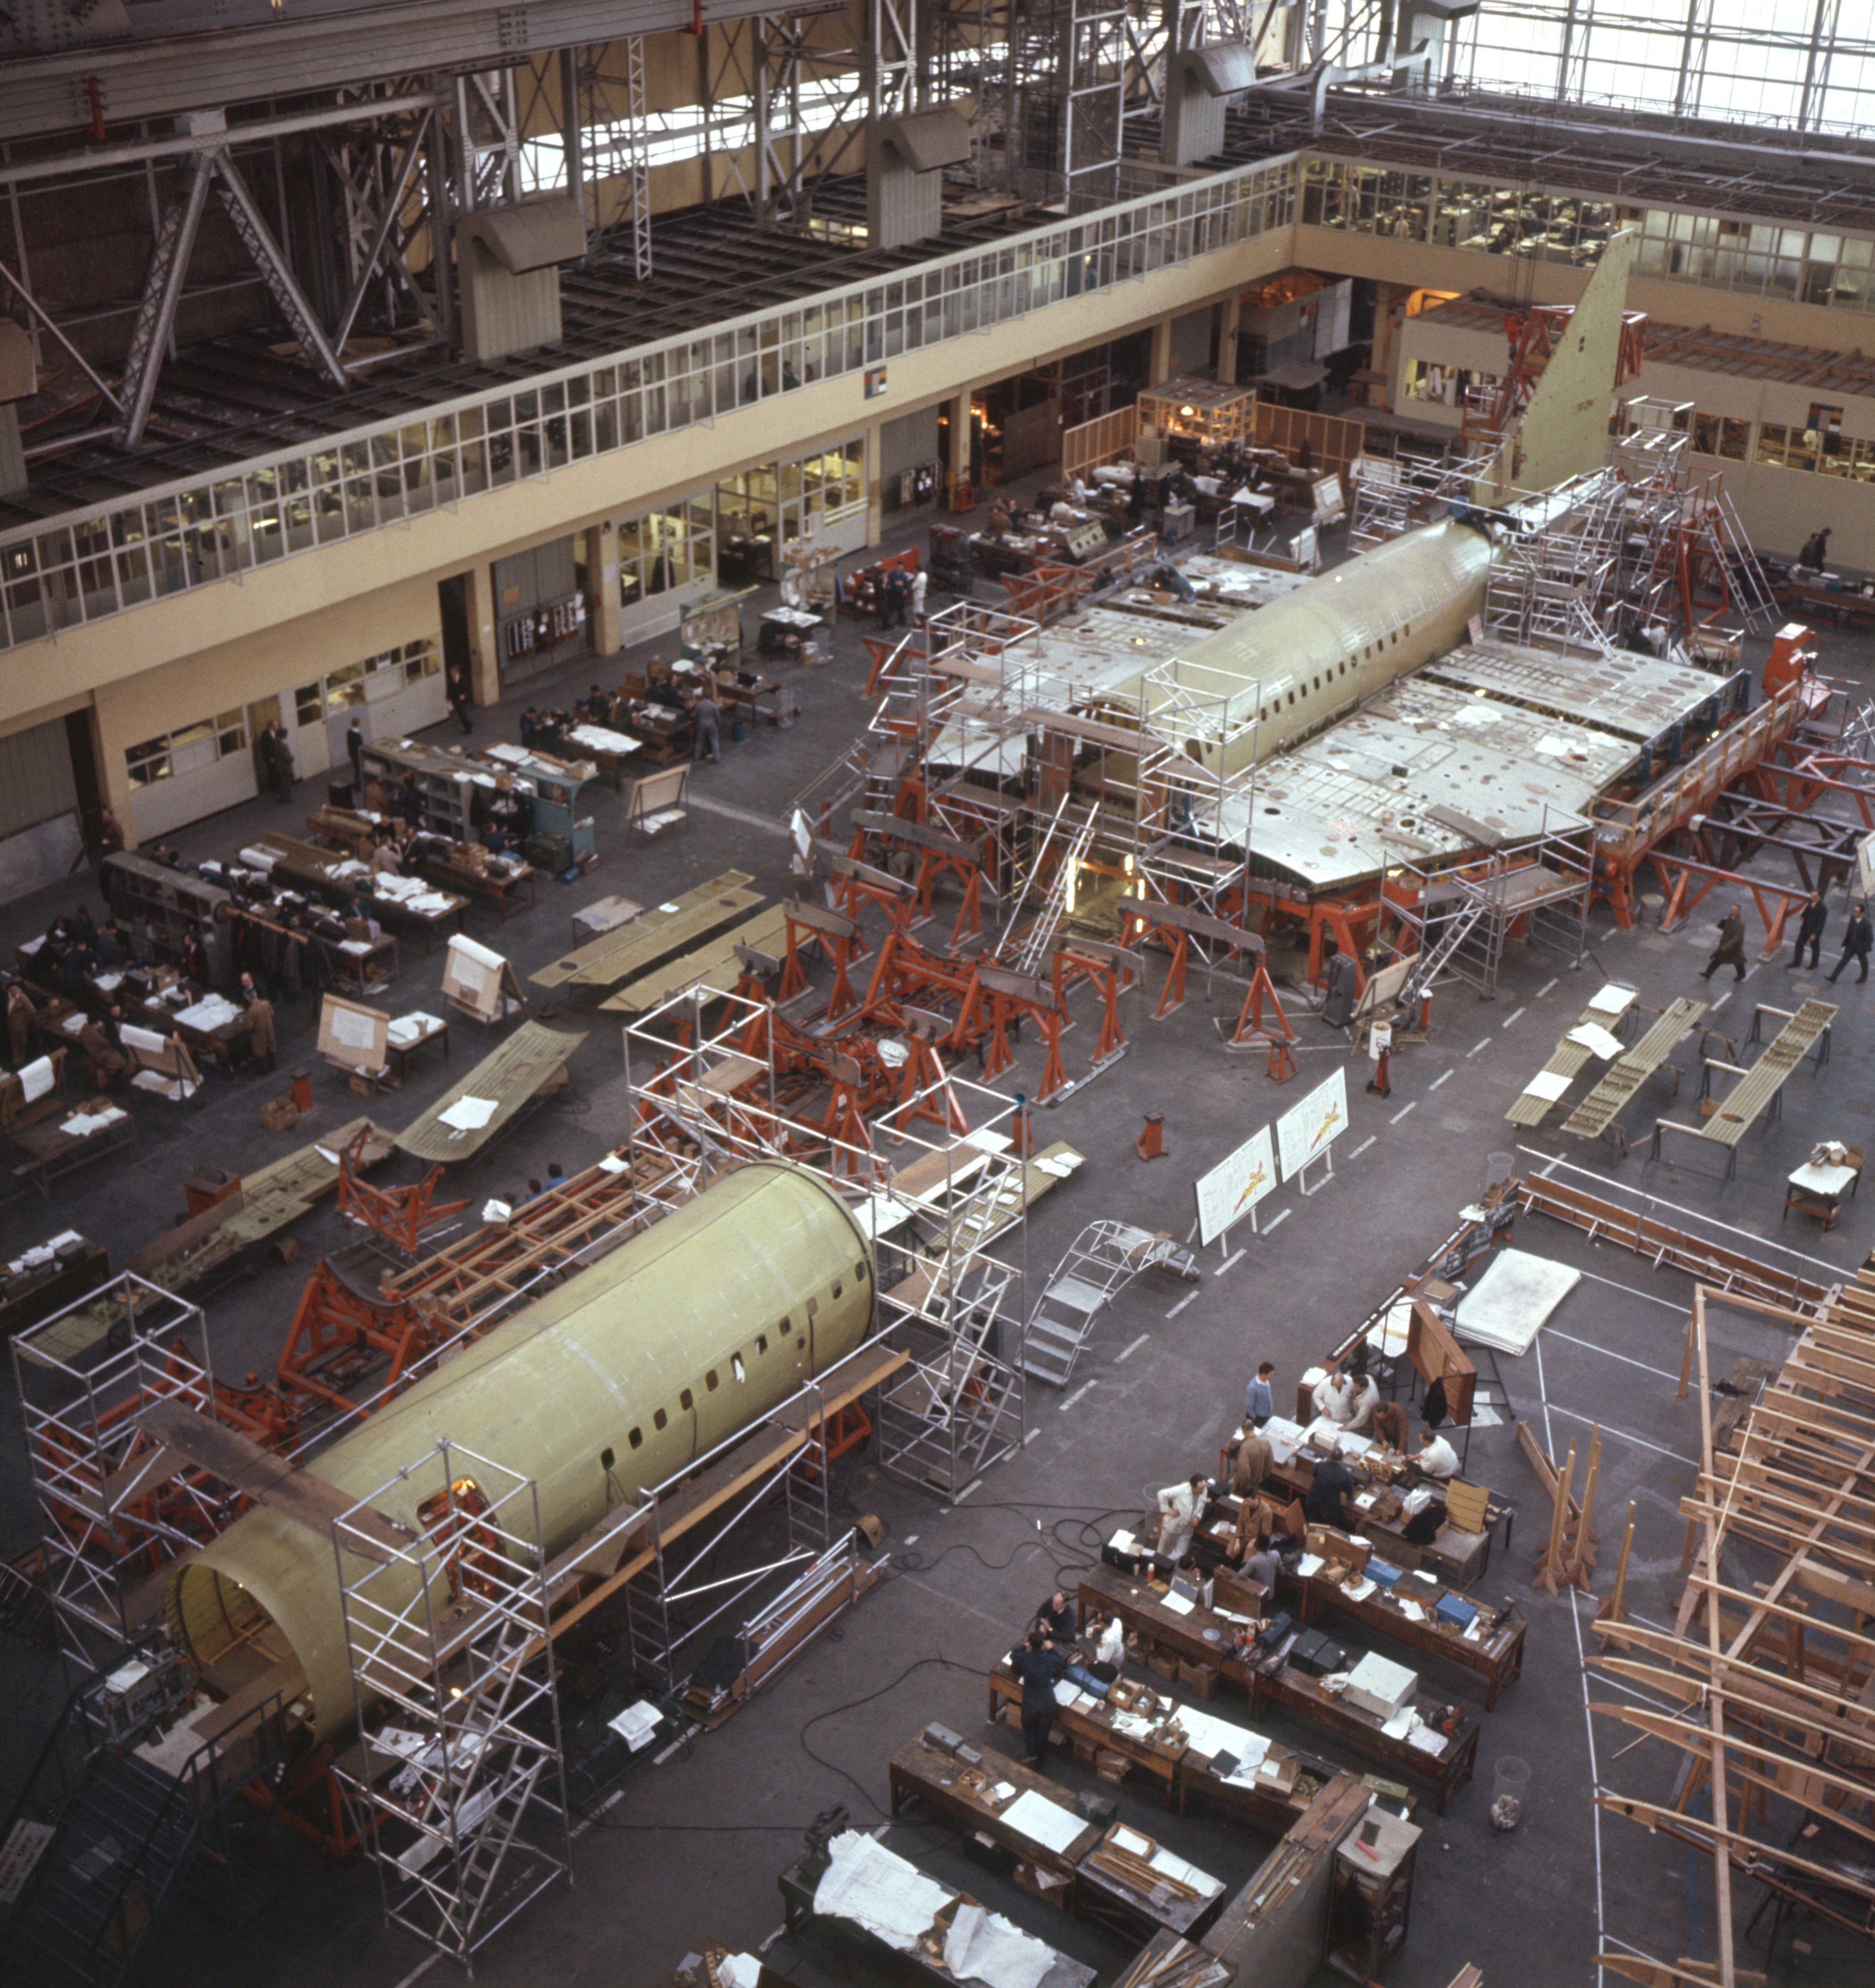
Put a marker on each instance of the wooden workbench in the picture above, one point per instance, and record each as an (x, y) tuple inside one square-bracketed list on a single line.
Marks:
[(1273, 1683), (713, 964), (1497, 1656), (919, 1772), (1090, 1727)]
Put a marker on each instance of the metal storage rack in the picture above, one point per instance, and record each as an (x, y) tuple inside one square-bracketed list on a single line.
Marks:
[(174, 903)]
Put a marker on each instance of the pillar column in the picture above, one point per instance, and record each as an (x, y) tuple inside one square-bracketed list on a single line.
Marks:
[(1230, 314), (957, 436), (602, 563), (1159, 369), (875, 502), (478, 611), (108, 744), (1386, 296)]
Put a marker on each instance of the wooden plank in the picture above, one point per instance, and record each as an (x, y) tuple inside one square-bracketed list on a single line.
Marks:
[(527, 1062), (588, 964), (1626, 1075), (714, 962), (1567, 1060)]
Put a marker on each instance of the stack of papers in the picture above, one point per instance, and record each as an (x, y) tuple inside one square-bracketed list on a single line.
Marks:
[(636, 1724), (85, 1123), (408, 1029), (43, 1253)]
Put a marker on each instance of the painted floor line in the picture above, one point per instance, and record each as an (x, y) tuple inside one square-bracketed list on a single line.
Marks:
[(975, 1484), (1625, 1360), (1130, 1351), (1182, 1304), (1234, 1256), (1359, 1150), (418, 1973), (1445, 1079), (1071, 1401), (1476, 1047), (1545, 989), (1607, 1428), (1515, 1015), (1280, 1220), (1401, 1112)]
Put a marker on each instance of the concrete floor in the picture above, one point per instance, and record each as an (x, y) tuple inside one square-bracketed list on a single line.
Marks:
[(690, 1849)]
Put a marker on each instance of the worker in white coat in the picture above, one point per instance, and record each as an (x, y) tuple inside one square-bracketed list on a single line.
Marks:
[(1178, 1507)]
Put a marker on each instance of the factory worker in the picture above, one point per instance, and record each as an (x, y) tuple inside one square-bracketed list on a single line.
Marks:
[(1436, 1457), (1363, 1399), (1259, 1396), (1104, 1666), (1252, 1462), (1178, 1507), (1334, 1399)]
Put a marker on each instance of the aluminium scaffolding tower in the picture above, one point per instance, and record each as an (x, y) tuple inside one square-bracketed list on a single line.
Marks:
[(457, 1783)]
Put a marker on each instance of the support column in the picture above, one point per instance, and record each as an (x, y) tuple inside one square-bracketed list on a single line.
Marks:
[(957, 469), (478, 611), (1386, 296), (875, 500), (1159, 368), (602, 563), (108, 742), (1230, 314)]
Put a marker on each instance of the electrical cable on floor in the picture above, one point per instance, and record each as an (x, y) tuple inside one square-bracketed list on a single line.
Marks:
[(833, 1712)]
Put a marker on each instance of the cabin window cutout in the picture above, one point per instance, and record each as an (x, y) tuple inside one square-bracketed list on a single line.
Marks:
[(660, 1420), (709, 1380), (859, 1271), (636, 1438), (737, 1368), (838, 1287), (686, 1400), (761, 1342)]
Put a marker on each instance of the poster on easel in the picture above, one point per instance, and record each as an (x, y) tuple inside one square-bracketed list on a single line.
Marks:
[(1233, 1187), (1308, 1132), (478, 982)]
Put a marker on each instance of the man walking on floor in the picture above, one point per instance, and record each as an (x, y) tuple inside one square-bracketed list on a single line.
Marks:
[(1730, 951), (1810, 929), (1857, 936)]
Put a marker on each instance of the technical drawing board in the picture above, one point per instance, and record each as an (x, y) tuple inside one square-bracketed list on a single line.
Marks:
[(1233, 1187)]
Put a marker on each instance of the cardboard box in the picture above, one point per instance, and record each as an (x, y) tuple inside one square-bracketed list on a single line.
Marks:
[(1110, 1765), (1169, 1741), (1164, 1665), (1199, 1679), (1378, 1685), (280, 1115), (1048, 1885)]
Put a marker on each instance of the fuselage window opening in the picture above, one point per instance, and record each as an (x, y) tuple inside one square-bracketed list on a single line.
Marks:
[(838, 1287), (636, 1438), (761, 1342), (737, 1368), (709, 1380), (686, 1400), (660, 1420)]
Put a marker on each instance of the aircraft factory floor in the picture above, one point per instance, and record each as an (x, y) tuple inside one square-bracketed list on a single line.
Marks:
[(691, 1851)]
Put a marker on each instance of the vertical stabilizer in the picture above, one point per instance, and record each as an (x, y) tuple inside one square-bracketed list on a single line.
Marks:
[(1564, 431)]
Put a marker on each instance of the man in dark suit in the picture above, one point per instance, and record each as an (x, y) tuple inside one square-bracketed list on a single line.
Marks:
[(1855, 940), (1810, 929)]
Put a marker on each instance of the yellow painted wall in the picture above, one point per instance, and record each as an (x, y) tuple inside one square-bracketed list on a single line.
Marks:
[(282, 624)]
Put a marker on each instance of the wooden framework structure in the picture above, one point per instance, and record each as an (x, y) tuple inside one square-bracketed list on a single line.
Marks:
[(1770, 1659)]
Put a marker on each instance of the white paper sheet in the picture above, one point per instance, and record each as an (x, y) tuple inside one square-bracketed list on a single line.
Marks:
[(467, 1114), (350, 1028), (1549, 1084), (1177, 1603), (35, 1079), (865, 1883), (408, 1029), (610, 1163), (83, 1124), (637, 1724), (1043, 1821), (469, 949), (135, 1037), (1613, 1000), (211, 1012), (1597, 1039)]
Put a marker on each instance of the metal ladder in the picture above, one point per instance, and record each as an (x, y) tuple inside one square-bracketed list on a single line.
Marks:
[(1103, 1259), (1047, 920)]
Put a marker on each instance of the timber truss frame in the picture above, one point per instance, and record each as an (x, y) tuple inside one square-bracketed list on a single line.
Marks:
[(1767, 1677)]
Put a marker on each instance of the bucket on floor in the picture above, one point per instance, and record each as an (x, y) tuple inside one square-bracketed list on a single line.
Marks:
[(1509, 1795), (1652, 907)]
